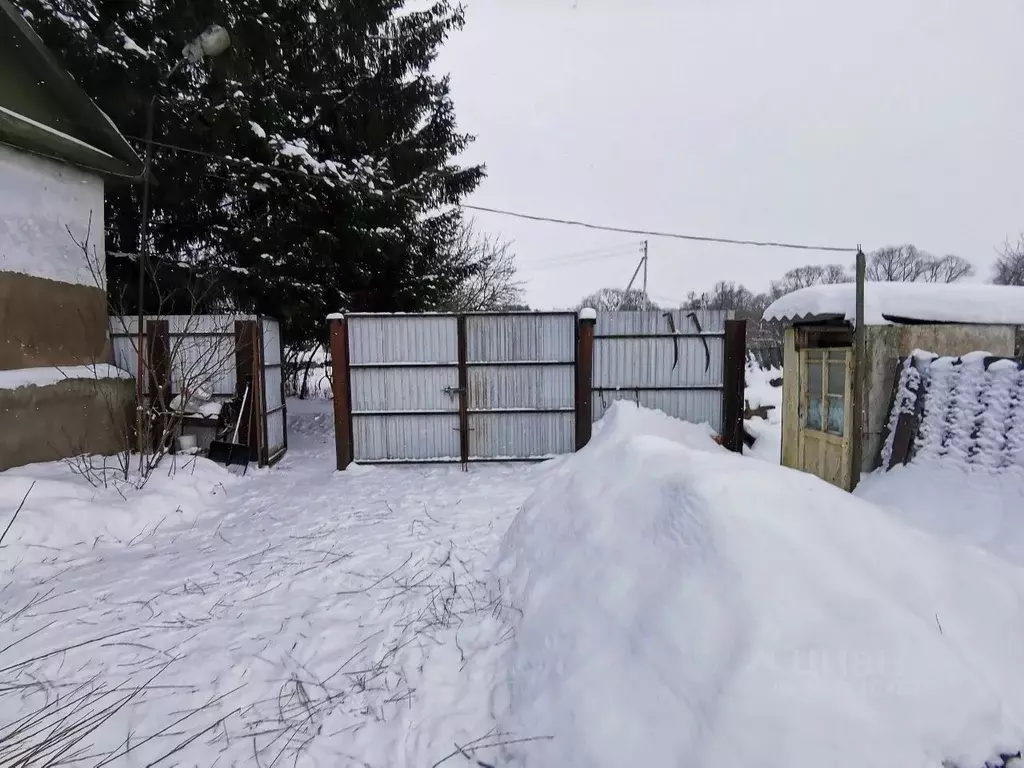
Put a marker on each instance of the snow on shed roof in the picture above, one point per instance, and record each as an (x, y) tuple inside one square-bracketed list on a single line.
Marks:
[(885, 303)]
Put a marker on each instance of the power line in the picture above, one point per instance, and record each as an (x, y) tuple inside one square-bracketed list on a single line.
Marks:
[(672, 235)]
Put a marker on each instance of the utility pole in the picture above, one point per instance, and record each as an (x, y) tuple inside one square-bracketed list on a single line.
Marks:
[(645, 270), (860, 386)]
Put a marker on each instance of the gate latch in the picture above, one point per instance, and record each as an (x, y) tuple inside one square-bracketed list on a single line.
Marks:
[(452, 391)]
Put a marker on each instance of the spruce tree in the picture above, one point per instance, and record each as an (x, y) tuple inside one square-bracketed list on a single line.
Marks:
[(310, 169)]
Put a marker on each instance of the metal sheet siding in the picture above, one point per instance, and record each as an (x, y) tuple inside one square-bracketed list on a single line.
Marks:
[(638, 362), (521, 386), (647, 323), (272, 376), (520, 435), (386, 339), (639, 357), (204, 361), (275, 433), (271, 342), (404, 389), (401, 367), (406, 438), (521, 338)]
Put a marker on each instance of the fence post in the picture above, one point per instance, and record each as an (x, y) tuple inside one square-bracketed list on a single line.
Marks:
[(462, 341), (337, 329), (584, 375), (158, 342), (732, 384)]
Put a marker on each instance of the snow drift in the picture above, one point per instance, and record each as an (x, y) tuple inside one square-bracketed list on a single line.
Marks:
[(674, 604)]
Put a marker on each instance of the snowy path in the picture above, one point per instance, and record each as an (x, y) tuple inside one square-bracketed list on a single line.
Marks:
[(288, 628)]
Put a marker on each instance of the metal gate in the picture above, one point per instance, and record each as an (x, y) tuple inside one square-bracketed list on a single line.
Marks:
[(472, 387)]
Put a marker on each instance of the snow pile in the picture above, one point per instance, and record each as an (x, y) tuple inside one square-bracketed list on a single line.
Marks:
[(932, 302), (965, 479), (86, 501), (760, 393), (48, 376), (674, 604)]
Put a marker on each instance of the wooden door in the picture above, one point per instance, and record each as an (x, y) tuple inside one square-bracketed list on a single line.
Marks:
[(826, 379)]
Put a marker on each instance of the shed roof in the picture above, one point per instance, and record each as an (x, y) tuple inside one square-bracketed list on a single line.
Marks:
[(83, 135), (886, 303)]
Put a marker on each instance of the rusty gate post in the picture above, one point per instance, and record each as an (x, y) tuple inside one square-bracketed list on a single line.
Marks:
[(584, 375), (733, 384), (158, 344), (337, 329)]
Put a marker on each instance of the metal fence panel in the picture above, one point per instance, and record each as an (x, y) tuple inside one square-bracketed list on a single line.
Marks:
[(521, 337), (673, 361), (389, 339), (521, 384), (406, 437), (511, 436), (404, 383), (521, 387), (413, 389), (658, 362)]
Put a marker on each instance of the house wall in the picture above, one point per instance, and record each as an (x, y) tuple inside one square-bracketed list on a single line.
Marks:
[(70, 418), (53, 306), (887, 343)]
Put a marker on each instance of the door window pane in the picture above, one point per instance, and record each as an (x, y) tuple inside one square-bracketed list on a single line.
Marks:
[(814, 383), (837, 378), (836, 415), (814, 415)]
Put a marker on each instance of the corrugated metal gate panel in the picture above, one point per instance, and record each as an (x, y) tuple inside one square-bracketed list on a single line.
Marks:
[(404, 379), (676, 365), (397, 339), (521, 382), (388, 390)]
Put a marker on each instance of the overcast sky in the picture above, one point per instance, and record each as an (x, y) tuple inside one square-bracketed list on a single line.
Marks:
[(875, 122)]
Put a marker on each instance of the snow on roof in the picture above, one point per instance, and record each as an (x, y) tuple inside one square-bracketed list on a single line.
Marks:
[(884, 303), (53, 131)]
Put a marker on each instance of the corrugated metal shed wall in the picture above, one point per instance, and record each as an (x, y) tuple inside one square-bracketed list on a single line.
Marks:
[(640, 356), (202, 349), (404, 379), (272, 373), (521, 381)]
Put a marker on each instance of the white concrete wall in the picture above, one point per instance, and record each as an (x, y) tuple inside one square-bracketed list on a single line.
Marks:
[(40, 200)]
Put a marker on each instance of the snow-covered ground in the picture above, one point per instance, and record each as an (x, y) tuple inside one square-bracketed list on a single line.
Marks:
[(284, 614), (652, 600)]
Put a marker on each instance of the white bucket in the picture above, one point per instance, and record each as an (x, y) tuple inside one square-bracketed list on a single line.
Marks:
[(187, 443)]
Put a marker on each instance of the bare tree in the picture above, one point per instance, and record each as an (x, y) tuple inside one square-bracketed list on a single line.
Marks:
[(895, 264), (492, 282), (948, 269), (195, 356), (805, 277), (907, 264), (1009, 268), (613, 299)]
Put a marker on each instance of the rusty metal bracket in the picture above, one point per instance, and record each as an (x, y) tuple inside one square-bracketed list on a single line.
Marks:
[(675, 342), (707, 349)]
